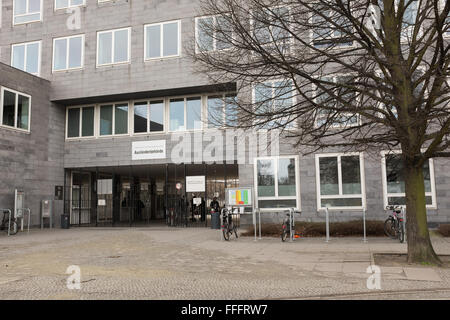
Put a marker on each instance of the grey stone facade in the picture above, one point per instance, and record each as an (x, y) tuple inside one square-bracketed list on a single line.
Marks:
[(32, 161), (36, 161)]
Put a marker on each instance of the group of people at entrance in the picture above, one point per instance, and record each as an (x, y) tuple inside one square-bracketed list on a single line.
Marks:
[(198, 207)]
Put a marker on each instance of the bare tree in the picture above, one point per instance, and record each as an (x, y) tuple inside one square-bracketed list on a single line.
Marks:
[(360, 74)]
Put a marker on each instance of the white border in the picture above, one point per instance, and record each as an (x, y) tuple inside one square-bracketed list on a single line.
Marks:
[(113, 31), (161, 44), (26, 14), (25, 55), (341, 195), (386, 195), (68, 53), (276, 197), (17, 93)]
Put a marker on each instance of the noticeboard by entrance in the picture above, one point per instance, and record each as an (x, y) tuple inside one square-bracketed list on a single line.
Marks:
[(239, 197)]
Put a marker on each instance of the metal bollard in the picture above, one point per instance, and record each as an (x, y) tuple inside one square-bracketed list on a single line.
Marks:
[(327, 221), (364, 224), (259, 214)]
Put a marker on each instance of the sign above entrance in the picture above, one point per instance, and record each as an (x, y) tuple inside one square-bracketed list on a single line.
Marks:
[(145, 150), (195, 183)]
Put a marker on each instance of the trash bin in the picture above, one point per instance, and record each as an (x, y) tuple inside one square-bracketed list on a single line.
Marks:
[(65, 221), (215, 220)]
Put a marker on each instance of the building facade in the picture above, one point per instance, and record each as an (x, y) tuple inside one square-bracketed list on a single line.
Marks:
[(118, 118)]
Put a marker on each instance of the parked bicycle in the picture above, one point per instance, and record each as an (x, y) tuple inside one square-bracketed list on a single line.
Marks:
[(394, 226), (228, 226), (11, 221), (286, 227)]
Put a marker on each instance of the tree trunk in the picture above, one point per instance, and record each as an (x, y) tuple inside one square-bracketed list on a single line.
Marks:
[(420, 249)]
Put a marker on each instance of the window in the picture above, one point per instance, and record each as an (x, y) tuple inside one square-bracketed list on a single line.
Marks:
[(62, 4), (26, 11), (162, 40), (68, 53), (80, 119), (222, 110), (273, 97), (325, 34), (185, 114), (326, 98), (113, 47), (143, 123), (394, 180), (114, 119), (268, 29), (213, 33), (340, 181), (27, 57), (446, 27), (277, 182), (15, 109)]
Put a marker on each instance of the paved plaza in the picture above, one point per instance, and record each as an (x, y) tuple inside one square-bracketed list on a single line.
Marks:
[(174, 263)]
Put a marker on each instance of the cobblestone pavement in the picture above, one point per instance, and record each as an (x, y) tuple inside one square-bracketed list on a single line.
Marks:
[(166, 263)]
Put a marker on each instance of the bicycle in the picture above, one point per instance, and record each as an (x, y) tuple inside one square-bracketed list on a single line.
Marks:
[(228, 226), (394, 226), (286, 226), (9, 225)]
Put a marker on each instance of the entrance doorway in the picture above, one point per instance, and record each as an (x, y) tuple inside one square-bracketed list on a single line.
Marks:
[(146, 194)]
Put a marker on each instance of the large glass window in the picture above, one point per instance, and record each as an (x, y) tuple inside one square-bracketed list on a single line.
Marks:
[(73, 122), (222, 111), (213, 33), (62, 4), (326, 97), (162, 40), (113, 46), (340, 183), (106, 120), (273, 97), (26, 11), (121, 119), (143, 122), (268, 28), (326, 35), (68, 53), (80, 119), (26, 57), (185, 114), (15, 109), (394, 189), (277, 182), (156, 116), (140, 117), (87, 123), (176, 115), (114, 119), (194, 113)]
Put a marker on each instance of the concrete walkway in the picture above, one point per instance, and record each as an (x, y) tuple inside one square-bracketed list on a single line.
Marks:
[(169, 263)]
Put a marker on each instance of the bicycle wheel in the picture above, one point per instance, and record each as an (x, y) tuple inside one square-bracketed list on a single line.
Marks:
[(235, 231), (226, 233), (389, 228), (14, 228), (284, 233)]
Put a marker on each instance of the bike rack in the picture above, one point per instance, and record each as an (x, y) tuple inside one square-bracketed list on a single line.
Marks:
[(255, 221), (29, 219), (9, 218), (28, 210)]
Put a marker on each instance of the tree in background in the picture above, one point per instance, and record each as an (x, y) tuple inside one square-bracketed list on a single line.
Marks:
[(359, 75)]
